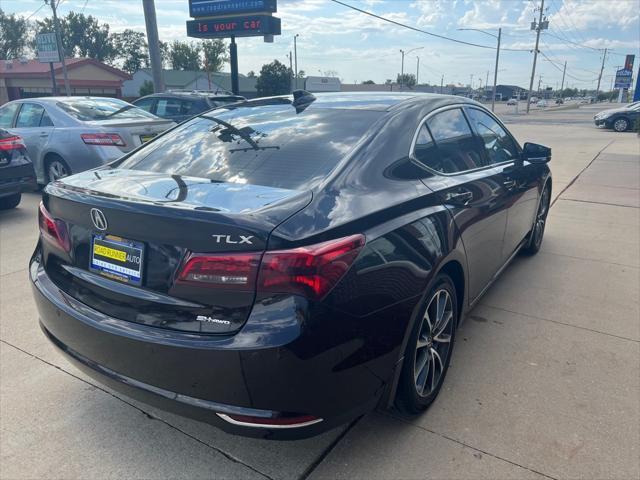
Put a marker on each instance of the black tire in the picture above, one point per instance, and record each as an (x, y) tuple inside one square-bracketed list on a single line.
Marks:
[(12, 201), (621, 124), (51, 163), (536, 235), (409, 399)]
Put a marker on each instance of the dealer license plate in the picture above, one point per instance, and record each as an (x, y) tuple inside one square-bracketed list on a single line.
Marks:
[(117, 258)]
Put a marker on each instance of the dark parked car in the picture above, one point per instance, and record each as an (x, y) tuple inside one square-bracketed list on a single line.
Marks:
[(282, 266), (16, 170), (620, 119), (179, 106)]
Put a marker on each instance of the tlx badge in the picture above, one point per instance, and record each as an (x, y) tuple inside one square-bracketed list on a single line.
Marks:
[(229, 239)]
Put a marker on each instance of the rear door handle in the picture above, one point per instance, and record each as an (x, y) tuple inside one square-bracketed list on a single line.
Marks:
[(44, 134), (509, 183), (458, 198)]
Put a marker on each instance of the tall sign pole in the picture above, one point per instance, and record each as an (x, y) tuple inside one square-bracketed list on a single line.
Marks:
[(538, 28), (233, 61), (495, 73), (151, 24), (56, 26)]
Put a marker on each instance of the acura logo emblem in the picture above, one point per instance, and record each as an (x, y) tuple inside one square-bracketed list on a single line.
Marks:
[(98, 219)]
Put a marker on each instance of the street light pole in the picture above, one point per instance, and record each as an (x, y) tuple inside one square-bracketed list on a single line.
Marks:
[(564, 70), (441, 84), (418, 71), (401, 70), (56, 27), (495, 74)]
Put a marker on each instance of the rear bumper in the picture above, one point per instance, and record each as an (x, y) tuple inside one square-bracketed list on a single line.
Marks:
[(17, 179), (259, 372)]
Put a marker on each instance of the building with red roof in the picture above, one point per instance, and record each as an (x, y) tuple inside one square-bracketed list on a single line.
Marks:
[(22, 78)]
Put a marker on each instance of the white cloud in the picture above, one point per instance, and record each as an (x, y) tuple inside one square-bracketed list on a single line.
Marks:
[(431, 11), (585, 14)]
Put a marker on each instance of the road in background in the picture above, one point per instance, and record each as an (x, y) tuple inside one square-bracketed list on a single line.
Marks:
[(543, 383)]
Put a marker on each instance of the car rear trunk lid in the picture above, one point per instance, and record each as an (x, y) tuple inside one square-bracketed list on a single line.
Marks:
[(165, 220)]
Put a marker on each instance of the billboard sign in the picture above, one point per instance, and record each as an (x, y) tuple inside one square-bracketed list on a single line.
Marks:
[(47, 48), (628, 62), (623, 78), (240, 26), (211, 8)]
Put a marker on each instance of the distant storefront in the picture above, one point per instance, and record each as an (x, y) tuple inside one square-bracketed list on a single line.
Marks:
[(30, 78)]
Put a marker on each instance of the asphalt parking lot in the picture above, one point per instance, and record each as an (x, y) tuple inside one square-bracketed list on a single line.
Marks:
[(544, 381)]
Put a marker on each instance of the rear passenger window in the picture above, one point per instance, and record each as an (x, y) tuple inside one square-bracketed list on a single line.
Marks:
[(425, 149), (499, 146), (29, 115), (456, 147)]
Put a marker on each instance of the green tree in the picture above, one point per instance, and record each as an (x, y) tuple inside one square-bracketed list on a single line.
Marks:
[(406, 79), (368, 82), (184, 56), (251, 74), (302, 74), (214, 55), (274, 79), (14, 32), (131, 48), (146, 88)]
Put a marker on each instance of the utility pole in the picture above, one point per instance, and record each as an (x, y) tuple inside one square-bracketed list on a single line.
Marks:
[(56, 27), (600, 76), (418, 71), (564, 70), (295, 57), (401, 70), (538, 28), (495, 73), (441, 83), (153, 41)]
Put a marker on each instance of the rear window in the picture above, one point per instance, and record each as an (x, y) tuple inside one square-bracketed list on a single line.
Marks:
[(89, 109), (268, 145)]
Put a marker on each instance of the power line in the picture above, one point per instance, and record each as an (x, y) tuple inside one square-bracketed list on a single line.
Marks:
[(422, 31), (37, 10), (84, 6), (559, 68)]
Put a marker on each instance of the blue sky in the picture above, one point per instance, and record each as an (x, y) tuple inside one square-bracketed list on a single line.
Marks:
[(360, 47)]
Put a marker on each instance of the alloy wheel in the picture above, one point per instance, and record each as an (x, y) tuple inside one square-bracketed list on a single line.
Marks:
[(541, 218), (620, 125), (57, 170), (433, 346)]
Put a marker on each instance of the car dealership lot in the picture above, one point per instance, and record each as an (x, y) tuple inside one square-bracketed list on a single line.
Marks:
[(543, 382)]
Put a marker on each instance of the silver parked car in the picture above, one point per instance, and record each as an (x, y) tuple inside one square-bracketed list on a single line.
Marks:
[(66, 135)]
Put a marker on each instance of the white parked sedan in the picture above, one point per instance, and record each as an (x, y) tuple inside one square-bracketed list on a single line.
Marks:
[(542, 104), (66, 135)]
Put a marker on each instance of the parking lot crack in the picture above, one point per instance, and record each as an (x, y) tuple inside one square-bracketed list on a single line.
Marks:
[(466, 445), (149, 415), (600, 332)]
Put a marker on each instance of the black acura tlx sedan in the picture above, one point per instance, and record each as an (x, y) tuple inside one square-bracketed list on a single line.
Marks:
[(281, 266)]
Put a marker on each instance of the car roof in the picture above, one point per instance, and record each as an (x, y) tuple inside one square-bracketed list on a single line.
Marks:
[(192, 95), (378, 101), (53, 100)]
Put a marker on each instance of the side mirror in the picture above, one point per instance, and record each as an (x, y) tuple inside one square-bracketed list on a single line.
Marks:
[(534, 153)]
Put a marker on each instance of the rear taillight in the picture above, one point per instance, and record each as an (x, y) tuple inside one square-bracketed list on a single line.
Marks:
[(112, 139), (53, 230), (234, 271), (309, 271), (11, 143)]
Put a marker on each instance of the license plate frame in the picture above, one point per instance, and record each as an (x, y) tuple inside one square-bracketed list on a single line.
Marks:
[(115, 257), (144, 138)]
